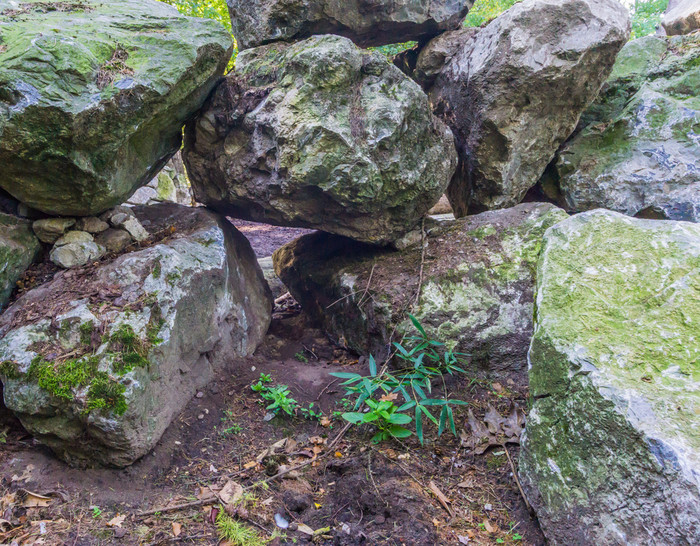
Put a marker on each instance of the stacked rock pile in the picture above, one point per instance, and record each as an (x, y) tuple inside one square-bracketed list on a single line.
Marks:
[(311, 129)]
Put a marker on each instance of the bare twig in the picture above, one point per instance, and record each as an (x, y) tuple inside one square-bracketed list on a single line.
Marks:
[(517, 481), (176, 507)]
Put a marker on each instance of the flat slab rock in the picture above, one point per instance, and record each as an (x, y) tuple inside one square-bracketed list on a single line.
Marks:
[(611, 453), (476, 295), (97, 362), (515, 90), (365, 22), (94, 94), (639, 151), (320, 134)]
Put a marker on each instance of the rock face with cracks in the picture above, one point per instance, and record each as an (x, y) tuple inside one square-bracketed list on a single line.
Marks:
[(18, 249), (476, 293), (97, 362), (320, 134), (611, 451), (365, 22), (639, 150), (93, 96), (515, 92)]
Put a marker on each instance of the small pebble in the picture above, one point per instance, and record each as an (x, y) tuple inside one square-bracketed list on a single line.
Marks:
[(200, 394), (200, 416), (488, 507)]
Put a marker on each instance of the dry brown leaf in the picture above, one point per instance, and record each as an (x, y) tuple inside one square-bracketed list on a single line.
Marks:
[(487, 525), (231, 493), (440, 497), (251, 464), (494, 430), (177, 529), (116, 521), (305, 529), (32, 500), (389, 397), (325, 421)]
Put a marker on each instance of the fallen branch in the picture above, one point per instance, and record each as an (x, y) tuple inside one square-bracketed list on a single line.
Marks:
[(176, 507)]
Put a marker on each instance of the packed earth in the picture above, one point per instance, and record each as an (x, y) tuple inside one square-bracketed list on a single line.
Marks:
[(387, 272)]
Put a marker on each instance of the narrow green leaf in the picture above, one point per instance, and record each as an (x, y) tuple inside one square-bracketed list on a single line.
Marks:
[(407, 406), (372, 366), (443, 420), (417, 324), (419, 424)]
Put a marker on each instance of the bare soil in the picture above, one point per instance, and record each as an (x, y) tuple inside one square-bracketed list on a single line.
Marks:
[(351, 492)]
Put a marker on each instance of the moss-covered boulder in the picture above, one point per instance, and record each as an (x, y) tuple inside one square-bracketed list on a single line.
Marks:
[(513, 93), (97, 362), (18, 249), (320, 134), (94, 94), (639, 150), (366, 22), (478, 277), (611, 453)]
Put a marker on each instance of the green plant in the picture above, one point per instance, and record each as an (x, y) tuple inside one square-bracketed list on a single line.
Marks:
[(310, 412), (301, 357), (425, 362), (278, 395), (230, 426), (236, 533), (96, 512), (646, 16)]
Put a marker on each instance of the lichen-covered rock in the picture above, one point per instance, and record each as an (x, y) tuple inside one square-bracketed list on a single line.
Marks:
[(97, 362), (476, 295), (611, 454), (320, 134), (18, 249), (50, 230), (75, 249), (683, 18), (93, 96), (639, 150), (366, 22), (171, 185), (515, 92)]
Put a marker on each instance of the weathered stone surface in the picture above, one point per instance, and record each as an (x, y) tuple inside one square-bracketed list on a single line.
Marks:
[(683, 18), (174, 314), (320, 134), (75, 237), (91, 224), (639, 150), (49, 230), (366, 22), (276, 286), (438, 52), (171, 185), (516, 90), (93, 96), (476, 296), (611, 454), (76, 254), (18, 249), (114, 240)]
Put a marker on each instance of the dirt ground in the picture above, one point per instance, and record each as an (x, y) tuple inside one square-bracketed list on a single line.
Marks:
[(345, 491)]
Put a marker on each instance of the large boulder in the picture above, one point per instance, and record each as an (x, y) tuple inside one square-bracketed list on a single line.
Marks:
[(611, 454), (516, 89), (366, 22), (639, 151), (476, 277), (18, 250), (320, 134), (93, 96), (97, 362), (682, 18)]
